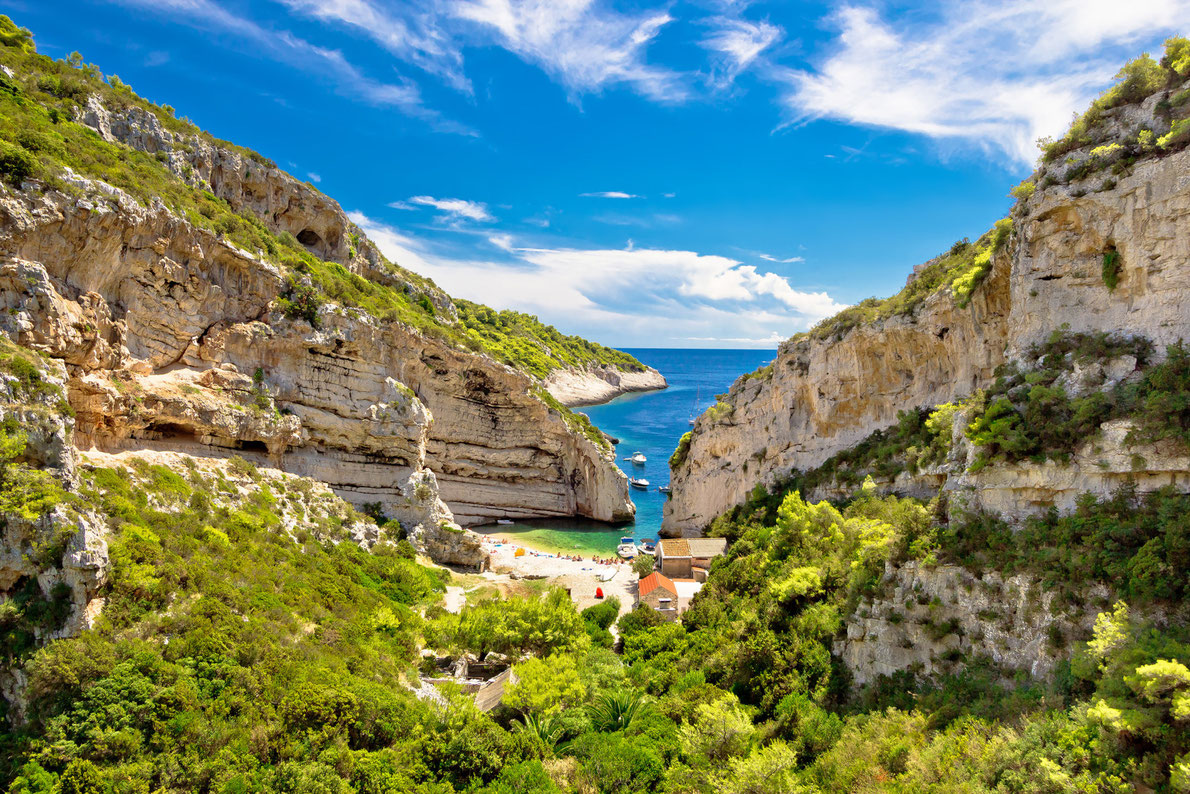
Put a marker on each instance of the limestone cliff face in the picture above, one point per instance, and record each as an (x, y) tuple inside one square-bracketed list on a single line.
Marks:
[(825, 395), (171, 341), (574, 386), (934, 619)]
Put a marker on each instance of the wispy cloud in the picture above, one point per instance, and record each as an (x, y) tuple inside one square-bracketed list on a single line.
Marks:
[(665, 295), (610, 194), (790, 260), (417, 37), (735, 44), (315, 178), (647, 221), (583, 44), (1000, 74), (455, 209), (284, 47)]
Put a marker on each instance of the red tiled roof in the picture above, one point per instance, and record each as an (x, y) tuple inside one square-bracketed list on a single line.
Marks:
[(655, 580)]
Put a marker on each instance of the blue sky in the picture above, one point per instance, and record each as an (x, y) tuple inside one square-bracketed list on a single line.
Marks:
[(691, 173)]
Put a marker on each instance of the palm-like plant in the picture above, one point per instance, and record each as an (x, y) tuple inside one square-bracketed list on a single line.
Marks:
[(546, 727), (615, 711)]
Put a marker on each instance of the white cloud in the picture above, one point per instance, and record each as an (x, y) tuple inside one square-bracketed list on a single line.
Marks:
[(736, 43), (1001, 74), (790, 260), (455, 209), (609, 194), (621, 296), (315, 178), (501, 241), (581, 43)]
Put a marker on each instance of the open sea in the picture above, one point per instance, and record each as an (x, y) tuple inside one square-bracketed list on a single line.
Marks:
[(651, 423)]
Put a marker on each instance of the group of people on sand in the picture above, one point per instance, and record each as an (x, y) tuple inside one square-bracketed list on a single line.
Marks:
[(571, 557)]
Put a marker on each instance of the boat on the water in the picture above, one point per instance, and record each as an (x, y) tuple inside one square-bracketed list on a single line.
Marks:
[(663, 488), (627, 548), (639, 482), (646, 547), (638, 458), (504, 521)]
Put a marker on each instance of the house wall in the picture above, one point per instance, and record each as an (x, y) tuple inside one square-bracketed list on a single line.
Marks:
[(676, 567), (654, 599)]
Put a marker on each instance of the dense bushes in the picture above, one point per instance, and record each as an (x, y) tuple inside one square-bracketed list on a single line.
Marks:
[(1136, 80), (1027, 415), (963, 268), (1139, 545)]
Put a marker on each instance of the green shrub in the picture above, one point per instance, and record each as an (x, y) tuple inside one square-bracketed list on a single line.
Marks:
[(678, 458), (1112, 266), (1178, 135), (17, 164)]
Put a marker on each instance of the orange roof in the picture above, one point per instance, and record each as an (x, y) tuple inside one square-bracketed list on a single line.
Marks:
[(655, 580)]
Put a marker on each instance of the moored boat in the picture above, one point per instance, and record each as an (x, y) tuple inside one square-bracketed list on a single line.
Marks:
[(639, 482), (627, 548)]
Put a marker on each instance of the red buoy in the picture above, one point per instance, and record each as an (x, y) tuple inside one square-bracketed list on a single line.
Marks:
[(599, 592)]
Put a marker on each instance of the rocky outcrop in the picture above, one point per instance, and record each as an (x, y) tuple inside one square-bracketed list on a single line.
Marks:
[(824, 395), (574, 387), (172, 342), (933, 619)]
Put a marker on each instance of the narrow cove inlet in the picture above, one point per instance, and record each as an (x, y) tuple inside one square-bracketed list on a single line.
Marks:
[(648, 422), (259, 450)]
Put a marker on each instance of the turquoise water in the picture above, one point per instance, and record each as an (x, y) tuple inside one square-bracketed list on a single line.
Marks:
[(651, 423)]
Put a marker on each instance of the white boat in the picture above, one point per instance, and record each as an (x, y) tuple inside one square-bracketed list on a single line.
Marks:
[(639, 482), (663, 488), (504, 521), (627, 548), (608, 575), (646, 547), (638, 458)]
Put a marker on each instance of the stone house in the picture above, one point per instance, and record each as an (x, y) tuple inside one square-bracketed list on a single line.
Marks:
[(670, 597), (688, 558), (660, 593)]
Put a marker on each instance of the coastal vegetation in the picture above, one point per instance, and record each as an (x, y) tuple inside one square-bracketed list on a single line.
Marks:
[(42, 142), (961, 270)]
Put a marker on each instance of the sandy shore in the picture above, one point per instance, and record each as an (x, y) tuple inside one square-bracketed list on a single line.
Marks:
[(581, 578), (575, 387)]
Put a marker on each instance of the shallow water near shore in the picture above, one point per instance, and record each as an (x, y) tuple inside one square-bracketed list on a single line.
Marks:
[(646, 422)]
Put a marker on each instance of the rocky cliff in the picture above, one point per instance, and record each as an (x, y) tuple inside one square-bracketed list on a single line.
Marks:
[(1125, 209), (213, 305)]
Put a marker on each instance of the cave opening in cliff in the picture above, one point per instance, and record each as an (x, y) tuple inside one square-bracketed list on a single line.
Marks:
[(168, 431), (309, 238)]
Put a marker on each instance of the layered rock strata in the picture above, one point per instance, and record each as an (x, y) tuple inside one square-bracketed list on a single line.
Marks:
[(171, 340), (825, 395), (574, 387)]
